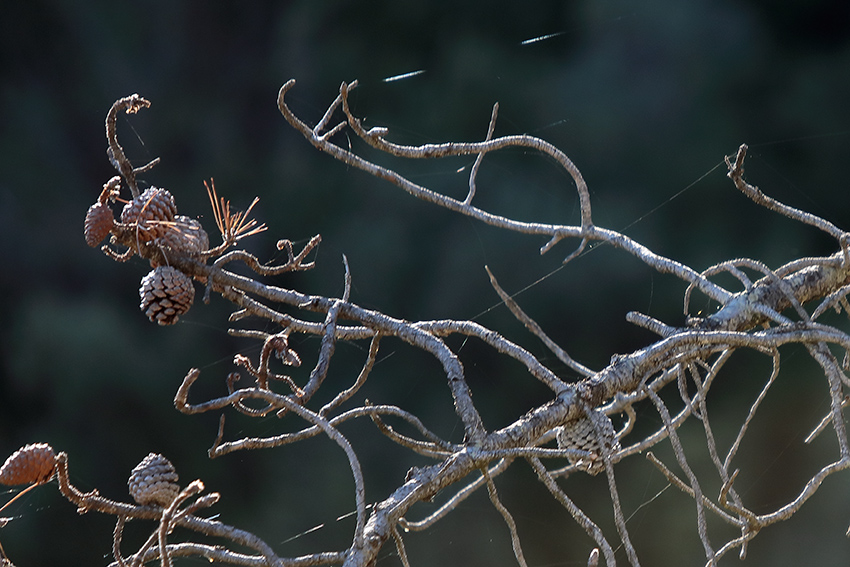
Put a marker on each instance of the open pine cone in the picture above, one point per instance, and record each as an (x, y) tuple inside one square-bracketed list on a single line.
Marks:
[(581, 434), (166, 293), (147, 211), (30, 464), (154, 481), (185, 236)]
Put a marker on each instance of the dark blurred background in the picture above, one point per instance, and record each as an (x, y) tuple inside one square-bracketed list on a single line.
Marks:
[(645, 97)]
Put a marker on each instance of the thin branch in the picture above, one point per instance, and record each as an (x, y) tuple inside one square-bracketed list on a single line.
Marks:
[(130, 104), (675, 481), (117, 533), (827, 419), (399, 546), (585, 231), (578, 515), (683, 463), (455, 500), (345, 395), (535, 329), (605, 448), (473, 173), (506, 515), (320, 371), (751, 414), (428, 449), (736, 174)]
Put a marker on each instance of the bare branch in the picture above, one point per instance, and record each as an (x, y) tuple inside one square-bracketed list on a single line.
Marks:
[(345, 395), (532, 326), (558, 232), (506, 515), (578, 515), (736, 174), (130, 104), (473, 173), (773, 309)]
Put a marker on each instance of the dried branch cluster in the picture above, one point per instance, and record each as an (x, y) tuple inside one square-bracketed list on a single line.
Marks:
[(781, 307)]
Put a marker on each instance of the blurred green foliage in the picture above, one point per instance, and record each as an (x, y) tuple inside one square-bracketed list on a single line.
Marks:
[(646, 98)]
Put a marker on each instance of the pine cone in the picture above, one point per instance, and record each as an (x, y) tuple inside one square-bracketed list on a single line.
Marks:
[(581, 435), (166, 293), (99, 221), (28, 465), (154, 481), (144, 211), (185, 236)]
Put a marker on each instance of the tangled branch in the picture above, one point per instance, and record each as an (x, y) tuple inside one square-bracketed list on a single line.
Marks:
[(574, 429)]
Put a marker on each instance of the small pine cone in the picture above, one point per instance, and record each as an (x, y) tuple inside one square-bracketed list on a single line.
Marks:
[(166, 293), (29, 465), (154, 481), (144, 211), (581, 435), (186, 236), (99, 221)]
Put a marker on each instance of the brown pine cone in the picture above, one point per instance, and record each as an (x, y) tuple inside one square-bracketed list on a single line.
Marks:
[(582, 435), (166, 293), (28, 465), (154, 481), (185, 236), (144, 211), (99, 221)]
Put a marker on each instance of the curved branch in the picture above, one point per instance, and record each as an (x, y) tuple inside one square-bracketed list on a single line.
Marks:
[(182, 404), (130, 104), (585, 231), (736, 174)]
